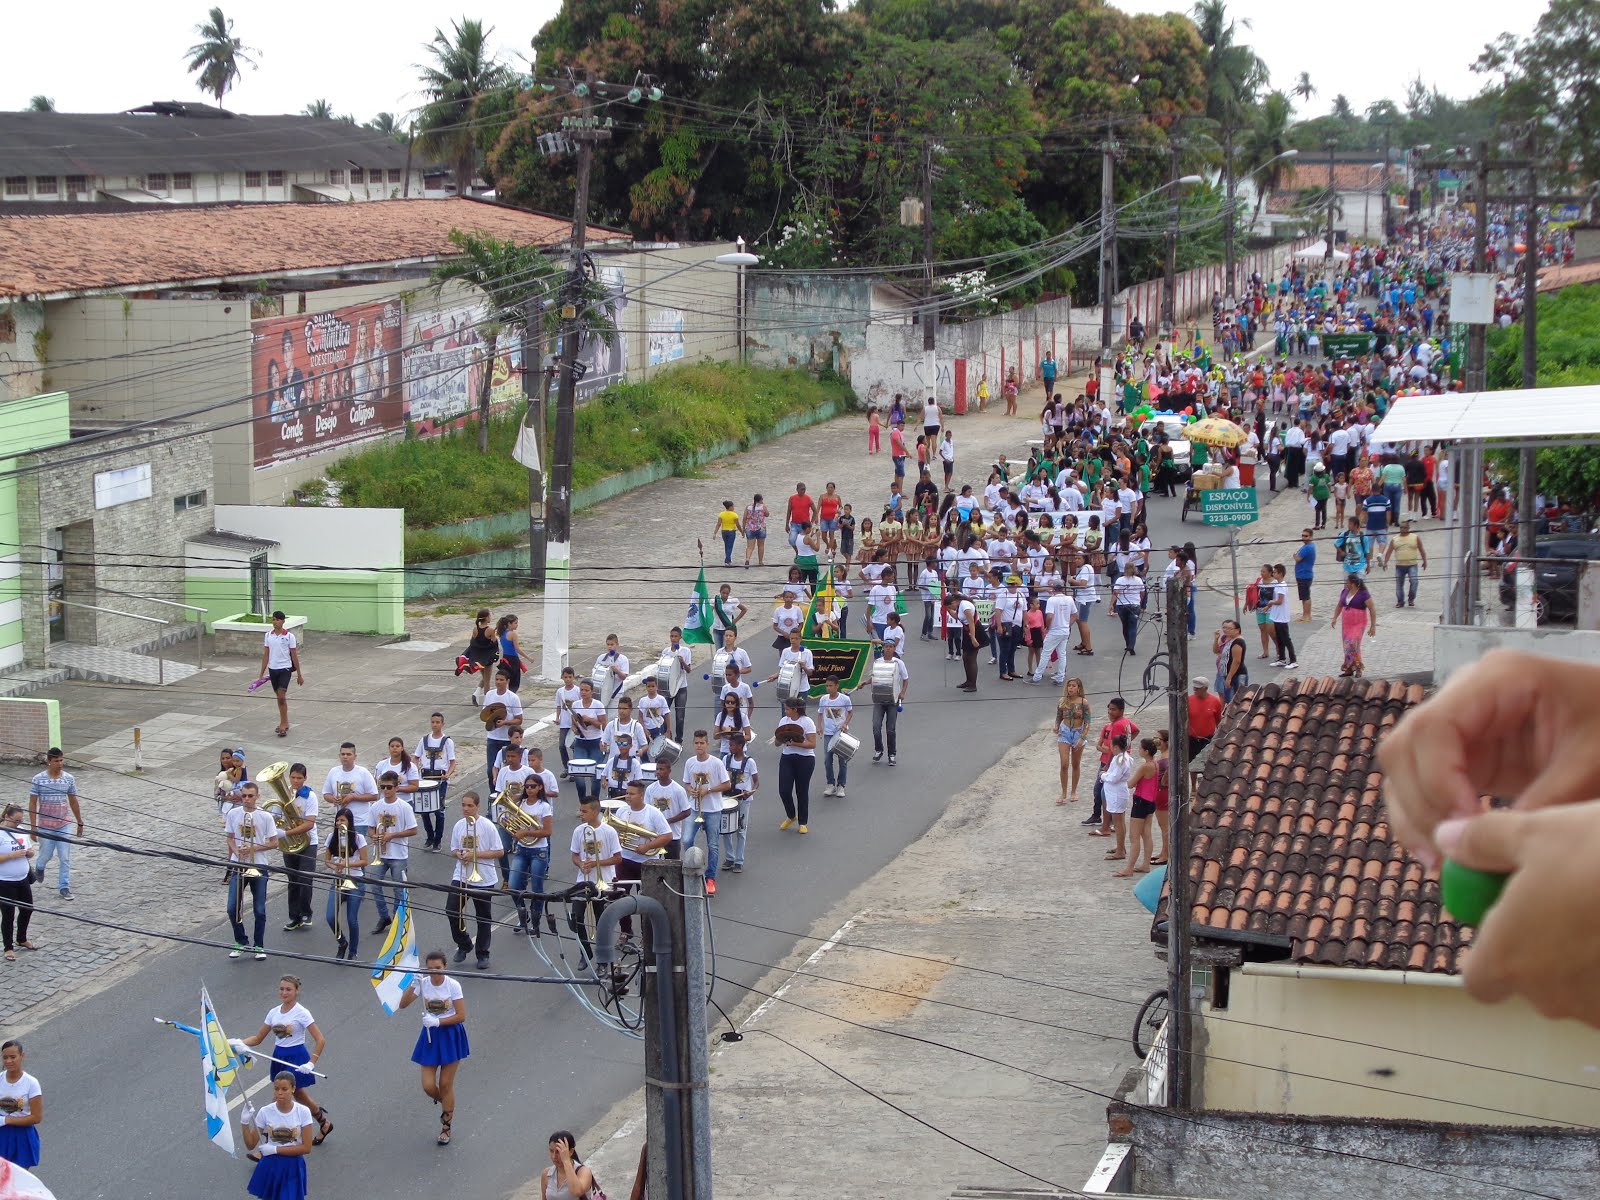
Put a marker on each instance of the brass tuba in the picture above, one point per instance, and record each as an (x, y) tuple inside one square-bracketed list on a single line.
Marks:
[(516, 820), (631, 835), (284, 810)]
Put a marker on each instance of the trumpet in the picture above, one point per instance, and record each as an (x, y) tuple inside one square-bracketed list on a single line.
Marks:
[(631, 835)]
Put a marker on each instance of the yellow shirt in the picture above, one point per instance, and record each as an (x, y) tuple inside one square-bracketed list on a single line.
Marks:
[(728, 520), (1407, 549)]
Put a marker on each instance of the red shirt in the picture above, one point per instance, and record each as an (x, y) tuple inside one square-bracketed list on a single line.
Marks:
[(1204, 713), (799, 508), (1121, 726), (828, 506)]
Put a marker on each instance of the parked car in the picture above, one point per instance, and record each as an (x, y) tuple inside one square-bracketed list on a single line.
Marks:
[(1556, 580), (1171, 430)]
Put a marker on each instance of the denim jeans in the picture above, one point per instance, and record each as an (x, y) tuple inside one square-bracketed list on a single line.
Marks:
[(733, 843), (728, 538), (795, 530), (1391, 492), (708, 826), (590, 749), (834, 774), (351, 925), (927, 619), (1129, 614), (258, 898), (1241, 681), (386, 868), (884, 714), (1401, 576), (526, 870), (1010, 639), (52, 845)]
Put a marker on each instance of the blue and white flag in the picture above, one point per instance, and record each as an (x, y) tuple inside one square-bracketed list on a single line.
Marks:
[(396, 965), (220, 1067)]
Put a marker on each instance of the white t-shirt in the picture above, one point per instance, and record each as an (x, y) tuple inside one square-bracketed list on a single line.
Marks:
[(801, 656), (512, 777), (742, 774), (672, 801), (685, 656), (434, 755), (358, 781), (834, 711), (17, 1097), (283, 1128), (403, 819), (652, 712), (566, 697), (616, 662), (513, 704), (881, 598), (596, 843), (361, 843), (788, 618), (930, 413), (438, 998), (895, 635), (928, 583), (588, 720), (16, 869), (747, 698), (280, 650), (250, 829), (288, 1028), (808, 727), (1128, 590), (650, 818), (624, 745), (410, 775), (901, 675), (1280, 603), (479, 832), (1011, 605), (713, 773), (1086, 591), (538, 810)]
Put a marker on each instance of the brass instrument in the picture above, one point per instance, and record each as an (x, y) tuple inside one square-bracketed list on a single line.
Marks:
[(247, 843), (631, 835), (591, 851), (474, 875), (516, 820), (284, 810)]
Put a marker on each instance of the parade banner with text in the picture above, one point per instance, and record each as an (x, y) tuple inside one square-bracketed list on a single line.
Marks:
[(326, 379)]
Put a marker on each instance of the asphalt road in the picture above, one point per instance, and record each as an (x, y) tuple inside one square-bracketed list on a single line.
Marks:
[(123, 1097)]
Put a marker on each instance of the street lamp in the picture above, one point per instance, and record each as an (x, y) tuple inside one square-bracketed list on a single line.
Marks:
[(1229, 271)]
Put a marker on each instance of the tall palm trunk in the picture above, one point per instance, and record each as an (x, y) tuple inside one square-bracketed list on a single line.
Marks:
[(491, 349)]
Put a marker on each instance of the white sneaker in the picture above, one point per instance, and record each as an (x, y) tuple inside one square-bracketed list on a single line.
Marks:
[(839, 792), (829, 790)]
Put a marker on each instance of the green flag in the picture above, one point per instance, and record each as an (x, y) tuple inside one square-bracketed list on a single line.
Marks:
[(697, 624)]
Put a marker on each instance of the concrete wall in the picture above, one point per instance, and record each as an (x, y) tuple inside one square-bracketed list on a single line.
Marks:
[(21, 367), (1333, 1046), (816, 320), (24, 425), (689, 317), (211, 186), (1456, 646), (1246, 1157), (134, 547)]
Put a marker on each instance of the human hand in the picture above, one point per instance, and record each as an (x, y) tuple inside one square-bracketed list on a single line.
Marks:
[(430, 1021), (1537, 939), (247, 1113), (1511, 724), (238, 1047)]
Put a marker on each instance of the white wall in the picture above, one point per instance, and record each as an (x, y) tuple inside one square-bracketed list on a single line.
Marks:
[(1457, 646), (209, 186), (347, 538)]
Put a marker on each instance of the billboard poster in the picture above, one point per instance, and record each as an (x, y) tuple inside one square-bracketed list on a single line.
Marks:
[(321, 380), (443, 361), (666, 336), (604, 365)]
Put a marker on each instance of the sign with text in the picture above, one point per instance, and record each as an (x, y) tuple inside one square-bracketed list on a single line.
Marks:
[(444, 357), (1228, 506), (327, 379), (849, 660)]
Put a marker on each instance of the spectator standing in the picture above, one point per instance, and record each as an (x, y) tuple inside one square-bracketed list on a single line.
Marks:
[(52, 795), (1305, 565), (1406, 549)]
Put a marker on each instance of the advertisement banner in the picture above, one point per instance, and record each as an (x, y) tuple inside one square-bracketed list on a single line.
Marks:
[(444, 367), (601, 364), (327, 379)]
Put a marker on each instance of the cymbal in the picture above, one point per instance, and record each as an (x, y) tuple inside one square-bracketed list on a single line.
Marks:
[(490, 713)]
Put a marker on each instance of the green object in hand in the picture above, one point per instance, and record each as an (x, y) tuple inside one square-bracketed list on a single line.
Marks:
[(1468, 893)]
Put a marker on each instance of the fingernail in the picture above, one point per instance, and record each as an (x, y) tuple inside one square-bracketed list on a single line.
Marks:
[(1447, 835)]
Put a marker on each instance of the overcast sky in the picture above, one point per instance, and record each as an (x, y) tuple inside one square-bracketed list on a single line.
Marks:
[(360, 56)]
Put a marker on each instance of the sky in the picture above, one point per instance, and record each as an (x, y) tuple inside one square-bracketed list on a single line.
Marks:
[(361, 56)]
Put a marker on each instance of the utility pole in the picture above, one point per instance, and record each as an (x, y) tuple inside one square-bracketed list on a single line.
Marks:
[(1169, 289), (930, 312), (1333, 194), (1388, 130), (533, 391), (1228, 281), (1108, 255), (1477, 335), (1180, 1009)]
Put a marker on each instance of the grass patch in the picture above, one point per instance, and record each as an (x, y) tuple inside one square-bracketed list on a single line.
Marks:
[(668, 419), (429, 545)]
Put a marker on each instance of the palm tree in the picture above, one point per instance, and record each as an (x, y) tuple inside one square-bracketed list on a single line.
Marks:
[(41, 104), (462, 72), (320, 109), (1233, 71), (385, 124), (1303, 87), (1264, 142), (218, 55)]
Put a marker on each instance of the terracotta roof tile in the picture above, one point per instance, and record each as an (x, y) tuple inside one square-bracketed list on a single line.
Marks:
[(1290, 837), (59, 253)]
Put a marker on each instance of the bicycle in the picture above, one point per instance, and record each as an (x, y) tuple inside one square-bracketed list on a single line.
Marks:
[(1158, 674), (1147, 1024)]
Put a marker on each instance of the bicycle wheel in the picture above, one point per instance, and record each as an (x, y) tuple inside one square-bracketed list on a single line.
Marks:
[(1152, 1016), (1157, 675)]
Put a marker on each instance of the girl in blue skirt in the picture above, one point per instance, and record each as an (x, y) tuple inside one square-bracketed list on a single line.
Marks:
[(442, 1044), (279, 1138), (290, 1024), (22, 1105)]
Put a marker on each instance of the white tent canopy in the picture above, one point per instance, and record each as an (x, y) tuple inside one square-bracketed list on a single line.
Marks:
[(1320, 250), (1511, 415)]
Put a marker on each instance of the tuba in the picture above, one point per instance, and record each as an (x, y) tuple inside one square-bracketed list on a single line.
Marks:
[(631, 835), (516, 820), (284, 810)]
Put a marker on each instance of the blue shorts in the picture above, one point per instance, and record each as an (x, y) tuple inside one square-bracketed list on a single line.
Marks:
[(1070, 737), (831, 526), (756, 535)]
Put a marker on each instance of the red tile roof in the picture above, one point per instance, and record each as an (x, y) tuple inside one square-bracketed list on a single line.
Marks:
[(1290, 842), (1310, 172), (63, 253)]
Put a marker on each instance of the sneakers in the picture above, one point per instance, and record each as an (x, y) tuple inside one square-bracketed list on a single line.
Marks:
[(383, 924), (804, 829), (66, 894), (1090, 821), (1294, 666), (483, 962), (261, 955), (237, 951), (830, 790), (839, 792), (711, 887), (787, 821), (291, 926), (877, 756), (891, 760), (736, 868), (461, 955)]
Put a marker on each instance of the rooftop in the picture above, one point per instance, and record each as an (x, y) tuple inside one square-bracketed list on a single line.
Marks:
[(180, 136), (54, 256), (1291, 847)]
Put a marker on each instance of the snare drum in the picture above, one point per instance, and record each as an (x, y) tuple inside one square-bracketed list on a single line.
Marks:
[(583, 768), (719, 672), (669, 673), (730, 815), (885, 675), (603, 681), (426, 798), (843, 746), (792, 681), (664, 750)]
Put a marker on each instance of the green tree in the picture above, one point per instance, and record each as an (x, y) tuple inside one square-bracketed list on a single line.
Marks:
[(1343, 110), (218, 55), (1303, 87), (1009, 236), (462, 72), (322, 110), (385, 124), (1234, 73), (41, 104), (1554, 75), (1264, 143)]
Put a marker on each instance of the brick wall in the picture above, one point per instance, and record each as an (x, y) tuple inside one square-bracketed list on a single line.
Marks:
[(28, 727)]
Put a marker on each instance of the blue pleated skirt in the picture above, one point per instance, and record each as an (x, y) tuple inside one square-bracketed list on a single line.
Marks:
[(447, 1044), (19, 1144), (279, 1178), (299, 1055)]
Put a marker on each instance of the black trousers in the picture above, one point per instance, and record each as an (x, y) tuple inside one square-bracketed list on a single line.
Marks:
[(1280, 634), (794, 785), (16, 909), (301, 868), (482, 904)]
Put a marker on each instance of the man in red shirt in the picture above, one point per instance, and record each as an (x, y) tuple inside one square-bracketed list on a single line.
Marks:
[(798, 514), (1205, 711), (1115, 724)]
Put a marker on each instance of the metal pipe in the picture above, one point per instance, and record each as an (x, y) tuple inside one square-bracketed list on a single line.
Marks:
[(1352, 975)]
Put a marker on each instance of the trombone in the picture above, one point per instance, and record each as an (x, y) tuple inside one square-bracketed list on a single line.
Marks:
[(247, 842)]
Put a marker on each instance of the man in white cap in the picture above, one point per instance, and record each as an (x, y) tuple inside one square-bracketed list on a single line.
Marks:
[(1009, 607), (1205, 713)]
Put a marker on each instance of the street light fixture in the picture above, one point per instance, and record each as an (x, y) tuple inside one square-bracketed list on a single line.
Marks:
[(1227, 231)]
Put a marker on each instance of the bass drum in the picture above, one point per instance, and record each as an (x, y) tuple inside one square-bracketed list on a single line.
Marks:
[(669, 673), (791, 682)]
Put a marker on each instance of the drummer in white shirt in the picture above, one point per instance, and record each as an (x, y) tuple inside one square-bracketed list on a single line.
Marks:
[(588, 727), (615, 663), (795, 652), (623, 743), (654, 712), (680, 698), (732, 685)]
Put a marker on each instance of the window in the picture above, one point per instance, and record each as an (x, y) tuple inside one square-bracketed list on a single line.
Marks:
[(396, 175), (156, 182), (252, 179), (182, 181), (187, 503), (77, 185), (274, 178), (16, 185), (45, 185), (357, 175), (336, 176), (122, 486)]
